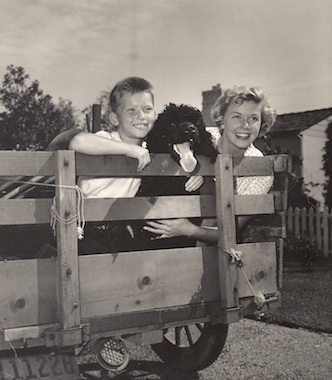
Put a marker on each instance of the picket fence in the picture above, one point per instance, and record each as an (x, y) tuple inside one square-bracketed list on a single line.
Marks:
[(312, 225)]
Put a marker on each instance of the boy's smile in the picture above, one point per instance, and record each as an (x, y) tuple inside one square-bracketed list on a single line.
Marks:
[(135, 116)]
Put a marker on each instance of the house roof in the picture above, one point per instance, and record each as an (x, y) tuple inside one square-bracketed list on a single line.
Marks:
[(299, 121)]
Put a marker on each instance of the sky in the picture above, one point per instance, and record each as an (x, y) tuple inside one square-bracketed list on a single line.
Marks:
[(78, 49)]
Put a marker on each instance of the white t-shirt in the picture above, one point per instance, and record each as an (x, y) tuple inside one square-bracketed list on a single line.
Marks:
[(109, 187)]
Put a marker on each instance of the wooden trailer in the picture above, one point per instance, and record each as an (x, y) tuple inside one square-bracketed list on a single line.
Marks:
[(52, 306)]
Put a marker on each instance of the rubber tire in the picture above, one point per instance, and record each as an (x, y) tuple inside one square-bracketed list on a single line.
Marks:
[(198, 356)]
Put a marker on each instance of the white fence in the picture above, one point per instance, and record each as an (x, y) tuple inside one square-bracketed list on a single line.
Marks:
[(312, 224)]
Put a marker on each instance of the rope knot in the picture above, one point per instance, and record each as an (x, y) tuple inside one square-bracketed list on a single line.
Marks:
[(235, 255), (78, 217)]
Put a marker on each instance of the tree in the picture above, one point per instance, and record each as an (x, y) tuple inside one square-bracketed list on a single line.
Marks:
[(30, 119), (327, 166), (298, 190)]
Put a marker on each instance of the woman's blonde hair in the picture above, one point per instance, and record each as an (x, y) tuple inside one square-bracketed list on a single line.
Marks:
[(238, 95)]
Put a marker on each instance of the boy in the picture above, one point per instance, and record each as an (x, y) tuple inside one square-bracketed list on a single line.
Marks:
[(132, 116), (123, 94)]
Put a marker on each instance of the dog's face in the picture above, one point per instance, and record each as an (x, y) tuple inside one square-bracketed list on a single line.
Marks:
[(185, 132), (178, 129)]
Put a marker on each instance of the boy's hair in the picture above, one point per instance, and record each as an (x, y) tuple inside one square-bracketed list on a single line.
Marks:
[(238, 95), (130, 85)]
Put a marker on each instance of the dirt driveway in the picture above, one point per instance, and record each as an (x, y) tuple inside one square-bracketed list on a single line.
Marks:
[(254, 351)]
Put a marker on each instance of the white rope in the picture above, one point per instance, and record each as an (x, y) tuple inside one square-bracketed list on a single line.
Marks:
[(259, 297), (79, 216)]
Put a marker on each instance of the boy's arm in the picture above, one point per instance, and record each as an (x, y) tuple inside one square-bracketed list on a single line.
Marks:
[(89, 143), (63, 139)]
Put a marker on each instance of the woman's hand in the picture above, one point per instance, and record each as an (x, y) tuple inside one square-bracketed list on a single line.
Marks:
[(170, 227), (194, 183)]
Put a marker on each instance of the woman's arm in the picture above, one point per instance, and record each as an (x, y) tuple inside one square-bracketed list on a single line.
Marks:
[(181, 227)]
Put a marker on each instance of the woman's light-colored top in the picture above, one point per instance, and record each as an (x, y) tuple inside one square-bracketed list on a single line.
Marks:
[(254, 185), (109, 187)]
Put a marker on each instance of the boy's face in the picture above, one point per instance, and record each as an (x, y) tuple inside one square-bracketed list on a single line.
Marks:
[(135, 117)]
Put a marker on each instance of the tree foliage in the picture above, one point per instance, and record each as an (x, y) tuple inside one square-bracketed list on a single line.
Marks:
[(327, 166), (298, 190), (30, 119)]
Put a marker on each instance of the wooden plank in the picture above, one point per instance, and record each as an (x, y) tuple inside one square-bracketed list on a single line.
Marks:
[(188, 206), (164, 165), (115, 166), (173, 316), (280, 200), (37, 211), (19, 163), (29, 332), (68, 284), (14, 163), (282, 163), (254, 204), (253, 166), (137, 281), (150, 207), (228, 277), (260, 266), (111, 284), (25, 211), (28, 292)]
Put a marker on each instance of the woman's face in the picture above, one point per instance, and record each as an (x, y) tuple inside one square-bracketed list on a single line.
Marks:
[(241, 126)]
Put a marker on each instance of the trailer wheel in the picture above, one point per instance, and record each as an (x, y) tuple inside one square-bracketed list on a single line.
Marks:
[(192, 347)]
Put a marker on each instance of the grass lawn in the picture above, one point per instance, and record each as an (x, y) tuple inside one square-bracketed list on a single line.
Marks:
[(306, 300)]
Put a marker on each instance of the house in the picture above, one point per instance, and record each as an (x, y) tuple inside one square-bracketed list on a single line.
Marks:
[(300, 134), (303, 135)]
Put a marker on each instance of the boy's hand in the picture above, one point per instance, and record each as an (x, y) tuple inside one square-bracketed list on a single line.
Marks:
[(141, 154), (194, 183)]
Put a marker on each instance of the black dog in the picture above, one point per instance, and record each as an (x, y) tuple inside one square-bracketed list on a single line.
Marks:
[(178, 127)]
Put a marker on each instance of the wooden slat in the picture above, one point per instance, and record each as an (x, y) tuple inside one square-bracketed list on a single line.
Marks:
[(254, 204), (150, 207), (109, 284), (136, 281), (253, 166), (139, 321), (172, 207), (29, 332), (68, 284), (162, 165), (260, 266), (28, 292), (37, 211), (14, 163), (25, 211), (226, 232), (17, 163), (282, 163)]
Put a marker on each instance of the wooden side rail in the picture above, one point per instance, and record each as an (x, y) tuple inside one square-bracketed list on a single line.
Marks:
[(72, 296)]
